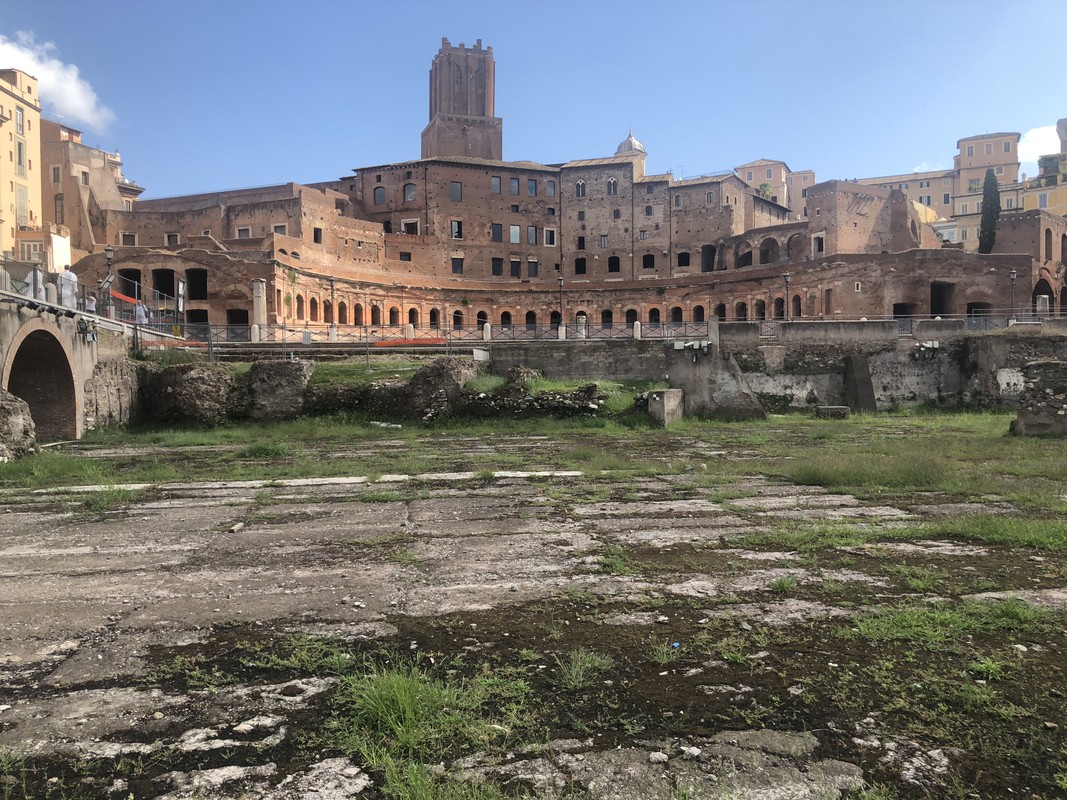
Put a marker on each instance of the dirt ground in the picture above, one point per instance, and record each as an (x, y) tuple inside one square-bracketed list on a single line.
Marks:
[(736, 672)]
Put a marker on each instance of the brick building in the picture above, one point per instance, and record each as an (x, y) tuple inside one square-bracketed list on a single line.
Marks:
[(460, 237)]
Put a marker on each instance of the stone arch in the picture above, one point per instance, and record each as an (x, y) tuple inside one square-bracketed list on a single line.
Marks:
[(653, 316), (505, 319), (342, 313), (327, 312), (796, 248), (413, 316), (720, 312), (435, 318), (795, 307), (457, 320), (759, 309), (1063, 249), (698, 313), (531, 320), (1042, 287), (394, 315), (357, 314), (40, 370), (300, 306), (779, 308), (743, 254), (741, 311), (607, 318), (769, 250), (676, 315), (482, 318), (313, 309), (631, 316), (375, 315)]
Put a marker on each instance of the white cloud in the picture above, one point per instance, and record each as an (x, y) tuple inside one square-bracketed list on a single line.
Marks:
[(926, 166), (63, 91), (1034, 143)]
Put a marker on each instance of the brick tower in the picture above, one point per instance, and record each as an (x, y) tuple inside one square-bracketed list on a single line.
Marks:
[(462, 85)]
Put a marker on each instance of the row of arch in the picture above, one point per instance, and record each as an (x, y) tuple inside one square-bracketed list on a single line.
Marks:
[(1048, 246)]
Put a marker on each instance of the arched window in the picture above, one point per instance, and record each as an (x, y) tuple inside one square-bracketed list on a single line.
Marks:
[(648, 261), (409, 193), (795, 306), (357, 314), (379, 195), (709, 198), (394, 316), (483, 318), (631, 316), (313, 309), (698, 313), (779, 308), (648, 211), (741, 311), (676, 315), (531, 320), (653, 316), (720, 312), (327, 311), (606, 318), (300, 306), (505, 319), (1048, 244), (759, 309), (554, 319), (579, 189), (413, 316), (375, 315), (743, 254), (613, 186), (435, 318), (1063, 249), (457, 320), (683, 259)]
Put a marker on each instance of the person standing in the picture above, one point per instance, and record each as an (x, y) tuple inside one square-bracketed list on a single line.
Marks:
[(68, 288), (90, 303)]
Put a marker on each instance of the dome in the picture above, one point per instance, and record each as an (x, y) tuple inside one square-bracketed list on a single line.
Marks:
[(629, 145)]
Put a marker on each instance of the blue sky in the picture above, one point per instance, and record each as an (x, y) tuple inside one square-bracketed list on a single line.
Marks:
[(203, 96)]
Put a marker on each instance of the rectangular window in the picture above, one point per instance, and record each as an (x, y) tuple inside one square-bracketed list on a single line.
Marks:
[(20, 159), (649, 189), (925, 199), (494, 184), (946, 198), (551, 211), (603, 241), (127, 239), (531, 269), (970, 150), (999, 171), (924, 184), (515, 209), (677, 200), (55, 175), (172, 239), (496, 233), (531, 235), (581, 216), (1042, 200), (279, 229), (617, 214), (974, 185), (748, 175), (409, 227), (128, 205), (769, 174), (550, 237), (316, 235), (1007, 147), (58, 207), (550, 188), (531, 187), (457, 191), (457, 229), (581, 242), (989, 148), (1009, 202), (642, 235), (85, 178), (405, 256), (965, 208), (457, 266), (963, 234), (516, 268), (244, 233), (498, 266), (19, 120), (579, 266), (513, 185), (515, 234)]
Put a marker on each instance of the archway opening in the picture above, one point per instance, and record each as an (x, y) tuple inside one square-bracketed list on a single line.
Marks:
[(394, 315), (676, 315), (743, 255), (531, 320), (42, 376), (375, 315), (741, 311), (1042, 299), (631, 316), (435, 318), (413, 316), (606, 318), (720, 312), (707, 258), (759, 309), (342, 313), (698, 313), (768, 251)]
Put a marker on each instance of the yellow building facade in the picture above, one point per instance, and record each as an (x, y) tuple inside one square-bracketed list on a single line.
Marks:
[(20, 165)]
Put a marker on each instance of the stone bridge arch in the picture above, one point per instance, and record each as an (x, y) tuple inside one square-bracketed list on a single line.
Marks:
[(39, 367)]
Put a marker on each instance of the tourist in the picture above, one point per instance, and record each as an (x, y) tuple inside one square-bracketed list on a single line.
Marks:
[(140, 313), (90, 303), (68, 288)]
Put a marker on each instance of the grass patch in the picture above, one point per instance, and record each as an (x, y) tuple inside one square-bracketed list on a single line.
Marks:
[(108, 499), (935, 626), (614, 560), (265, 450), (579, 668)]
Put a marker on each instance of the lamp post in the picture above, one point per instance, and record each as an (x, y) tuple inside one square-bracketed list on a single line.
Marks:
[(109, 254), (786, 276), (560, 279), (1013, 274)]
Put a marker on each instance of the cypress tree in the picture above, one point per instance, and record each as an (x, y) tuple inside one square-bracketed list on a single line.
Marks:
[(987, 233)]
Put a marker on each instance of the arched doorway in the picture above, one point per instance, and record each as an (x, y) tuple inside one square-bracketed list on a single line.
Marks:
[(779, 308), (676, 315), (375, 315), (653, 317), (698, 313), (40, 373), (759, 309), (720, 312), (795, 310), (358, 314), (435, 318), (1042, 288), (505, 319), (342, 313), (457, 320), (413, 316), (631, 317), (768, 251), (531, 320), (482, 318), (394, 315), (606, 318), (741, 311)]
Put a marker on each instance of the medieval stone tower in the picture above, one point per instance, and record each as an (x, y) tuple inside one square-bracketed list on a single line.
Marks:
[(462, 86)]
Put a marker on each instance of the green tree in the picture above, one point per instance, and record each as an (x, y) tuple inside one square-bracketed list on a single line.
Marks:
[(987, 233)]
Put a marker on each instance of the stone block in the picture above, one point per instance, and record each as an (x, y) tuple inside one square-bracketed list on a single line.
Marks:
[(666, 406), (832, 412)]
